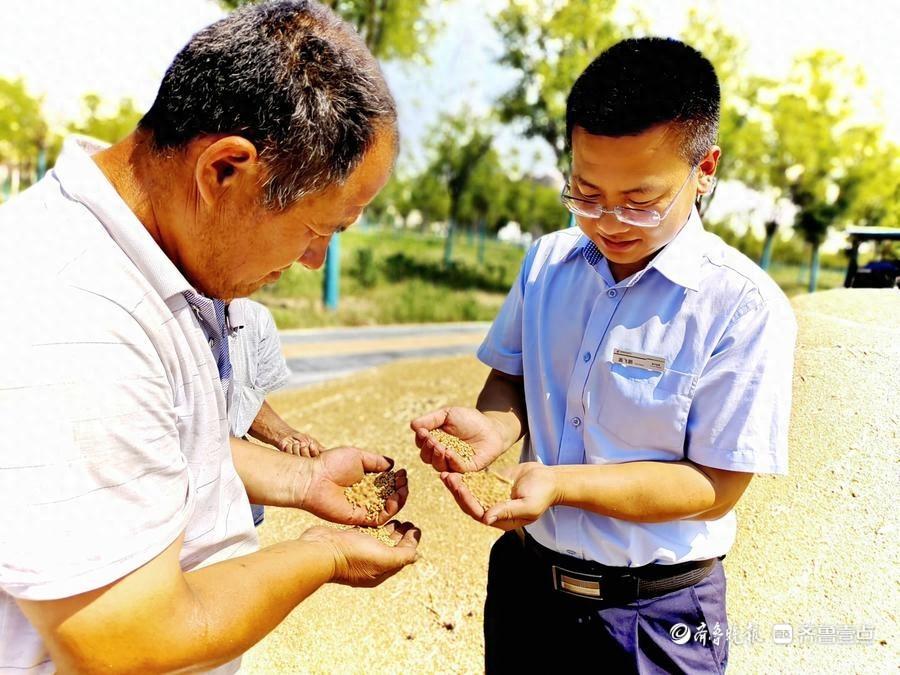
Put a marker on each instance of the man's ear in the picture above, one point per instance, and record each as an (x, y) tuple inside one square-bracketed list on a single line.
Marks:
[(707, 169), (224, 165)]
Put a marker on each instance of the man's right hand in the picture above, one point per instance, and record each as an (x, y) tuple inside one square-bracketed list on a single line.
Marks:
[(467, 424), (321, 481), (363, 561)]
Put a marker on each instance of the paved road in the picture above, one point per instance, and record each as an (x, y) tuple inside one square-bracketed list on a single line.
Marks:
[(323, 354)]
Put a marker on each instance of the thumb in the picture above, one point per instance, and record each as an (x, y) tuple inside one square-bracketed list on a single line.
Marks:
[(514, 509)]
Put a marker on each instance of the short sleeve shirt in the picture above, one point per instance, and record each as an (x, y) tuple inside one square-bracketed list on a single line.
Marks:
[(689, 358), (115, 433), (258, 366)]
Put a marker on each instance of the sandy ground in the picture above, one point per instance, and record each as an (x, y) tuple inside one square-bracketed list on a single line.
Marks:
[(817, 549)]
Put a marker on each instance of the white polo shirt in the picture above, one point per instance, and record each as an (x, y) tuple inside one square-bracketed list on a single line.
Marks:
[(114, 427), (257, 365), (689, 358)]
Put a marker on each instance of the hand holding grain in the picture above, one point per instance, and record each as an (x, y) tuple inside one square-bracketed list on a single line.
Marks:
[(322, 489), (469, 425), (362, 560), (533, 491)]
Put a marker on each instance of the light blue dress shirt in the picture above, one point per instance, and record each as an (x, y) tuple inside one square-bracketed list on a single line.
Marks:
[(691, 357)]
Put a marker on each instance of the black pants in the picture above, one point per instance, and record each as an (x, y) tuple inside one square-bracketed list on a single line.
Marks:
[(529, 626)]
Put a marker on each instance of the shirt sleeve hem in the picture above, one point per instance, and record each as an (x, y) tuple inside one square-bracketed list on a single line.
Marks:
[(728, 462), (97, 578), (508, 364)]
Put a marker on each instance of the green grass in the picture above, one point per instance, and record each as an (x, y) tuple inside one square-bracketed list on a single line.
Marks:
[(794, 279), (399, 277)]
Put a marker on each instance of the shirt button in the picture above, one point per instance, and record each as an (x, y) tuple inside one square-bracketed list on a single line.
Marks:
[(570, 552), (612, 292), (211, 342), (587, 357), (576, 421)]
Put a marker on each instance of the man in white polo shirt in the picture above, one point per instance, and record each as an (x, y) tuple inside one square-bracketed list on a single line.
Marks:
[(127, 542)]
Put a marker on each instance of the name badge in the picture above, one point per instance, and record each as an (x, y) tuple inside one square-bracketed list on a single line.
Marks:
[(645, 361)]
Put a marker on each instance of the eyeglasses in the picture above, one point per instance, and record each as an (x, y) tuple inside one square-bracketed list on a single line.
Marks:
[(625, 214)]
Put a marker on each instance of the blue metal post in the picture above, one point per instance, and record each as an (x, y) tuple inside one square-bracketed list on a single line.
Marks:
[(766, 260), (41, 164), (331, 288), (448, 244), (814, 270)]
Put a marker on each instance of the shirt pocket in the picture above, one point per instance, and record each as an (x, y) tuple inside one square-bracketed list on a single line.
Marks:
[(645, 408)]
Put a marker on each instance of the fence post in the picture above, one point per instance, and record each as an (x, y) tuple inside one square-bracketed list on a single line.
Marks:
[(332, 280)]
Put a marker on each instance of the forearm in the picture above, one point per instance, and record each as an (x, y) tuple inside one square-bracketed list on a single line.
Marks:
[(238, 602), (638, 491), (160, 619), (270, 477), (502, 399), (268, 426)]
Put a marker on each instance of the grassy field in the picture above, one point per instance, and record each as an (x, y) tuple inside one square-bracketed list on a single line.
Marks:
[(399, 277)]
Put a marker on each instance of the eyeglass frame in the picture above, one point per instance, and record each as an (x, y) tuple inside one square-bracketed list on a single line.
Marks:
[(617, 210)]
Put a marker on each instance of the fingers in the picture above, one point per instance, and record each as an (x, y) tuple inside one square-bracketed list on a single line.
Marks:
[(440, 457), (510, 514), (373, 463), (463, 496), (429, 421), (395, 501)]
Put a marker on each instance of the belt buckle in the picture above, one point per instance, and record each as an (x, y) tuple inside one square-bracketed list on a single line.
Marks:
[(577, 583)]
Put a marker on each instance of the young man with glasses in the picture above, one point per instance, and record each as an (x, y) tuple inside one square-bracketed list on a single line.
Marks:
[(650, 366)]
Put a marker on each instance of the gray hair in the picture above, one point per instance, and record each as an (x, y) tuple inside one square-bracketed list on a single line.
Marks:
[(289, 76)]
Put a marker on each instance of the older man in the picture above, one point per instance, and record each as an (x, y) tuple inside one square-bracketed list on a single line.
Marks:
[(127, 543)]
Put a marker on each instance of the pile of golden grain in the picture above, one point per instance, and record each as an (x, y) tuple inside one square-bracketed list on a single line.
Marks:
[(460, 447), (488, 487), (372, 492)]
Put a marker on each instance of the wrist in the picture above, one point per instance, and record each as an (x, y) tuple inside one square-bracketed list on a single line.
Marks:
[(327, 555), (559, 485), (301, 480), (498, 422)]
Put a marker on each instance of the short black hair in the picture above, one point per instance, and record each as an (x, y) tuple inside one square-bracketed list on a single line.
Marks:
[(289, 76), (640, 83)]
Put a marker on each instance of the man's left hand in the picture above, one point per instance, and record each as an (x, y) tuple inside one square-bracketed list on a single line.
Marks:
[(534, 490)]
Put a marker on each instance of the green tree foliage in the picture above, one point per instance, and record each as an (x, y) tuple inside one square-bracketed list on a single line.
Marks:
[(742, 125), (394, 30), (110, 128), (23, 131), (549, 43)]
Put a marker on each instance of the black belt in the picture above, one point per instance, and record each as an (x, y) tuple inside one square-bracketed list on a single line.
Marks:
[(590, 580)]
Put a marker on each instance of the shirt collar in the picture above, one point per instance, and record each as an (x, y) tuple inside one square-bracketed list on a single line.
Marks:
[(82, 180), (679, 261)]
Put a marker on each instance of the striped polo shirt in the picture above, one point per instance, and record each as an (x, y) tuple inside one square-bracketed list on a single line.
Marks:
[(115, 431)]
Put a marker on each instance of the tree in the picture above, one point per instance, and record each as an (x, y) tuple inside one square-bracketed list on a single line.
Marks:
[(110, 128), (458, 144), (394, 30), (549, 43), (23, 131), (816, 144), (24, 135)]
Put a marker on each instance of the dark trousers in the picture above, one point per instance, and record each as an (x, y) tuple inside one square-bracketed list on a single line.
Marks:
[(529, 626)]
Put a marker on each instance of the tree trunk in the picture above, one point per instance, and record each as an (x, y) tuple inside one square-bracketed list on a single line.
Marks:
[(771, 230), (814, 268)]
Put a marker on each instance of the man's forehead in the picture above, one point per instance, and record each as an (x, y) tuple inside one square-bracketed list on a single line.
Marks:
[(658, 144)]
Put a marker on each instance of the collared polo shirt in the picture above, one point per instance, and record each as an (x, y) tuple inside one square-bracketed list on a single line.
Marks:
[(115, 432), (689, 358)]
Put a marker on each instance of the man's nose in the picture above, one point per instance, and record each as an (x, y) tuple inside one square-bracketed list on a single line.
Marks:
[(610, 225), (314, 256)]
